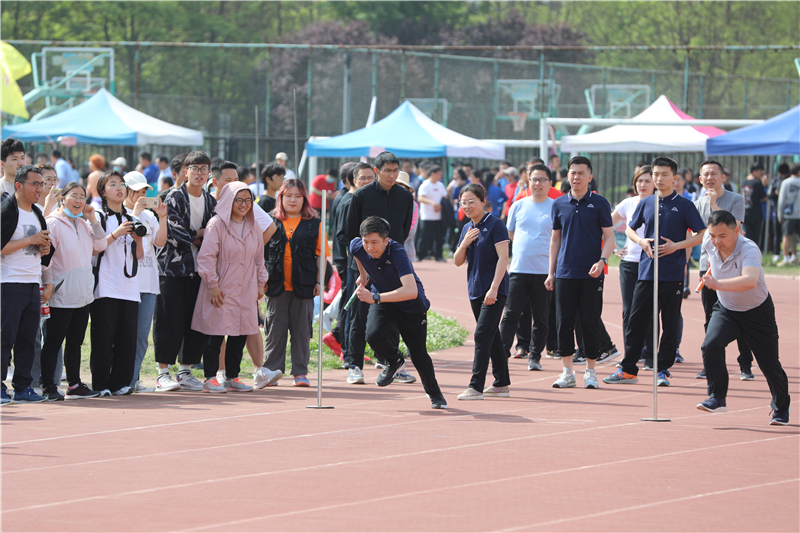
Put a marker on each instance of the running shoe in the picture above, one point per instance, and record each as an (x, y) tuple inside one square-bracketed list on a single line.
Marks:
[(188, 382), (779, 417), (534, 363), (265, 377), (662, 378), (212, 385), (552, 355), (165, 383), (4, 398), (608, 355), (521, 353), (471, 394), (590, 379), (124, 391), (52, 394), (701, 375), (747, 375), (236, 385), (301, 381), (378, 365), (578, 359), (388, 373), (496, 392), (330, 341), (404, 377), (105, 393), (80, 392), (27, 395), (437, 402), (648, 365), (713, 405), (355, 376), (621, 377), (678, 357), (140, 388), (565, 380)]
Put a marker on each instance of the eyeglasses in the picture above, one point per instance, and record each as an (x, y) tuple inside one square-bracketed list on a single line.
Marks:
[(75, 198), (370, 178), (243, 201), (51, 180), (117, 185), (468, 203), (199, 170), (540, 180), (36, 184), (390, 171)]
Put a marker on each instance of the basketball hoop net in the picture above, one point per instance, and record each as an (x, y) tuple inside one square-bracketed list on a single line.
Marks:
[(518, 120)]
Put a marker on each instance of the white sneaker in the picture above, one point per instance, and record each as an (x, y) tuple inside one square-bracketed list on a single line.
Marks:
[(139, 387), (104, 392), (265, 376), (165, 383), (590, 380), (10, 374), (188, 382), (355, 376), (565, 380), (124, 391)]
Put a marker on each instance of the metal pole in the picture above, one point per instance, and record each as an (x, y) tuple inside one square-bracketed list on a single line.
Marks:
[(686, 83), (543, 138), (435, 89), (294, 113), (495, 99), (309, 76), (322, 265), (656, 237), (346, 95), (403, 78), (700, 103), (257, 176)]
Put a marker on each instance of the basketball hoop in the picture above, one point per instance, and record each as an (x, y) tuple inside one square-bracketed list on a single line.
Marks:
[(518, 120)]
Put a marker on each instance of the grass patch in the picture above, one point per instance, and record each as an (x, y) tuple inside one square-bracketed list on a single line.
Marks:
[(443, 332)]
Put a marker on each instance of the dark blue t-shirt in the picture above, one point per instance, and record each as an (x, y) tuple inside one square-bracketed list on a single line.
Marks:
[(497, 197), (581, 223), (385, 274), (677, 214), (482, 256)]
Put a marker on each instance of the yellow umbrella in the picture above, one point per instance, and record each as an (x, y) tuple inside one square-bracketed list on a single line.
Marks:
[(14, 66)]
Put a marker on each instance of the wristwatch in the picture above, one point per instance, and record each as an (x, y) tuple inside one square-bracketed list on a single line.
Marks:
[(376, 297), (604, 260)]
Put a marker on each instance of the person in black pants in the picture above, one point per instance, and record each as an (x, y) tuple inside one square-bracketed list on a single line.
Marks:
[(744, 309), (484, 247), (397, 300), (677, 216)]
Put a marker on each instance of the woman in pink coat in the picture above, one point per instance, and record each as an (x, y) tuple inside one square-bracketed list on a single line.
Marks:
[(231, 266)]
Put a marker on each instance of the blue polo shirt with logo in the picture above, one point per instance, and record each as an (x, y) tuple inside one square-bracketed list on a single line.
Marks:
[(385, 274), (676, 215), (581, 223), (482, 256)]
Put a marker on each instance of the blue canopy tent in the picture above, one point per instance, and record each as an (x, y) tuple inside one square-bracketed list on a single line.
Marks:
[(406, 132), (779, 135), (105, 120)]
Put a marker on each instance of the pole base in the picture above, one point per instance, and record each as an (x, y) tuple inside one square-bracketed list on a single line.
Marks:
[(655, 420), (319, 407)]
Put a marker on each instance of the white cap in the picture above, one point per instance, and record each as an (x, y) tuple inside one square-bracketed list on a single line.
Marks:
[(136, 181), (121, 161), (282, 156)]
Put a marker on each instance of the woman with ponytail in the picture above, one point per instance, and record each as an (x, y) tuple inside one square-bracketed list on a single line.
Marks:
[(116, 306), (75, 236)]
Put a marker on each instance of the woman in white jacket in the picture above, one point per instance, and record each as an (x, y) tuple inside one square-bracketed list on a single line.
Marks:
[(75, 235)]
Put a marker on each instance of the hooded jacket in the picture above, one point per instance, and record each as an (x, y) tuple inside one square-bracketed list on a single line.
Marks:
[(70, 269), (235, 264)]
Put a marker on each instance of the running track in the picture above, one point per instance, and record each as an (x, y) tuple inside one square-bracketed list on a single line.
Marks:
[(382, 460)]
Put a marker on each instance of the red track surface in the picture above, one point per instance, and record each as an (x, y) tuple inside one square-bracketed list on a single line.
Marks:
[(382, 460)]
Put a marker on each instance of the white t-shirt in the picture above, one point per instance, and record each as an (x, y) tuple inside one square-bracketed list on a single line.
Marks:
[(197, 208), (626, 208), (431, 191), (112, 282), (257, 187), (6, 188), (262, 218), (24, 265), (290, 175), (148, 268)]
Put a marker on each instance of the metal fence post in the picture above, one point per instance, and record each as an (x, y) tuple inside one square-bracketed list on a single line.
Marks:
[(435, 88), (495, 99), (746, 90), (686, 83), (309, 76), (374, 74), (700, 97), (403, 76)]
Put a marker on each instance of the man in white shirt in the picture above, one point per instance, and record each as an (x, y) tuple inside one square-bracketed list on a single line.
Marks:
[(430, 197), (283, 160), (163, 167)]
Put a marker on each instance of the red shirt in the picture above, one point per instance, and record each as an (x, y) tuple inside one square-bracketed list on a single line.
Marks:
[(320, 183), (552, 193)]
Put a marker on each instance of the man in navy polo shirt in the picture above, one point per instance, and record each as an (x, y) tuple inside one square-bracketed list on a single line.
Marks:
[(397, 300), (581, 222), (677, 216)]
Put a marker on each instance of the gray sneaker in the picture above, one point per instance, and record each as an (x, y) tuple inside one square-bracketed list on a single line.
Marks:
[(212, 385), (235, 385), (355, 376), (265, 377), (590, 380), (140, 387), (747, 375), (188, 382), (534, 363), (404, 377), (565, 381)]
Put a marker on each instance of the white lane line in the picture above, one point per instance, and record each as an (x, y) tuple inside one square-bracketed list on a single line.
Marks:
[(646, 505)]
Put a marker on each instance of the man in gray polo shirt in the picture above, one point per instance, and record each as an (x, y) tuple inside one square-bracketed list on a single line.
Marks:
[(716, 198), (744, 310)]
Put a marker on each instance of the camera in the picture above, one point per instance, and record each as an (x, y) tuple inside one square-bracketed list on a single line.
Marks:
[(138, 227)]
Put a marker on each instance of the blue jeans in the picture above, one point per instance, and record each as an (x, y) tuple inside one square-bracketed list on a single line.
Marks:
[(146, 308)]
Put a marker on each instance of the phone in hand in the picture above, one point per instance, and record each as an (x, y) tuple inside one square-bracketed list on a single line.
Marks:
[(152, 203)]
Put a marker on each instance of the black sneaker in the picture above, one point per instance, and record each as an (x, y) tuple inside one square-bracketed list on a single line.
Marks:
[(52, 394), (578, 359), (387, 374), (701, 375), (713, 405), (438, 402), (79, 392), (747, 375), (534, 362), (609, 354), (780, 418)]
